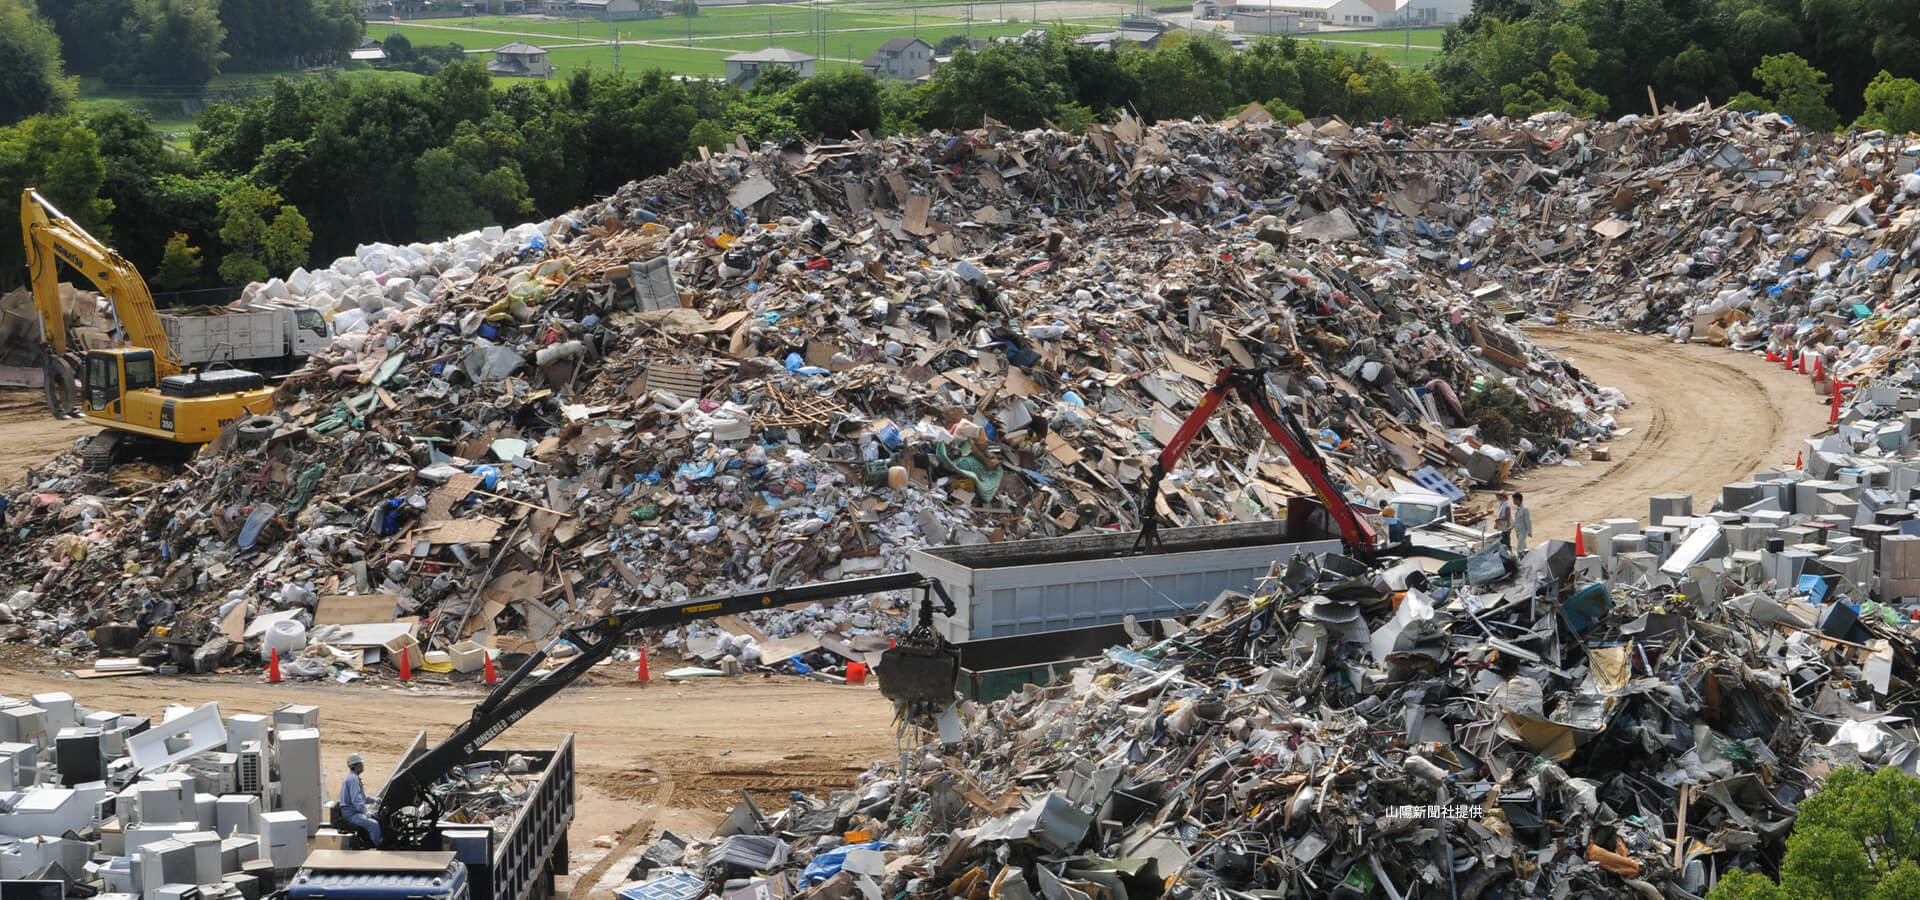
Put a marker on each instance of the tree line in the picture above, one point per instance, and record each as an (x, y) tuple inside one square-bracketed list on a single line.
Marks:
[(319, 165)]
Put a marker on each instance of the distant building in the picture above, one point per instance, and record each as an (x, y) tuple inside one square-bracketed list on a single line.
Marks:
[(1430, 13), (1268, 21), (902, 58), (1326, 13), (743, 68), (520, 60), (1111, 40), (612, 10), (1209, 9), (368, 51)]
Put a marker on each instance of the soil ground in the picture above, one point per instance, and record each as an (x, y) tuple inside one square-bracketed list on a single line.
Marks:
[(661, 756)]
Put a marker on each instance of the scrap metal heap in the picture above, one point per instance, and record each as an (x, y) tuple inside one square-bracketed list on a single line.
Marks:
[(791, 365), (1512, 729)]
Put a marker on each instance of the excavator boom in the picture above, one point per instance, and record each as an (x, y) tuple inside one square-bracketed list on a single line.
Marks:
[(1358, 536), (51, 238)]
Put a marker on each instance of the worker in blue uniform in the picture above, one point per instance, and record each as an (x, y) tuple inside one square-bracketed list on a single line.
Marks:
[(353, 799)]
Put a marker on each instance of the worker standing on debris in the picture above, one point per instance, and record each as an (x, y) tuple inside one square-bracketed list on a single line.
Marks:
[(353, 799), (1522, 522), (1503, 521), (1396, 529)]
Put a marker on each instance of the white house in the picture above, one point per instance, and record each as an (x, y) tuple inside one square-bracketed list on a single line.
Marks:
[(743, 68), (1416, 13), (903, 58), (1327, 13), (520, 60)]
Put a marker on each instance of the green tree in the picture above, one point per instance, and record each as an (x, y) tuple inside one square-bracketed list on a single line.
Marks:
[(1797, 90), (257, 245), (473, 180), (88, 31), (169, 43), (1893, 104), (709, 134), (1017, 83), (60, 156), (179, 265), (1264, 70), (837, 104), (1858, 837), (1526, 65), (32, 80), (1184, 77)]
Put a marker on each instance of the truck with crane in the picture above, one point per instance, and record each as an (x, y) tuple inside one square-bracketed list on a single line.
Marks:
[(423, 854), (144, 400)]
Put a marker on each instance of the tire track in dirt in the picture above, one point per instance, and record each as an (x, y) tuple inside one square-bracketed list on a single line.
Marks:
[(1701, 417)]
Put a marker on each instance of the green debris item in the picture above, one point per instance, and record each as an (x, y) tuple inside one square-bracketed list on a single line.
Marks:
[(388, 367), (303, 488), (986, 477), (645, 512)]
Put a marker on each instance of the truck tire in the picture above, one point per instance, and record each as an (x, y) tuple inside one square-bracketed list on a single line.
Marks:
[(257, 429)]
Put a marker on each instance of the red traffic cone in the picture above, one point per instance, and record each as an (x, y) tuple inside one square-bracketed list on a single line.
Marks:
[(1786, 361), (1799, 460), (640, 672), (1579, 540), (1819, 370), (856, 673), (487, 676), (406, 666), (273, 668), (1772, 356), (1803, 362)]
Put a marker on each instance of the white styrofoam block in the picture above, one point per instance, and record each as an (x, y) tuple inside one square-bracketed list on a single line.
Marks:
[(202, 729), (138, 836)]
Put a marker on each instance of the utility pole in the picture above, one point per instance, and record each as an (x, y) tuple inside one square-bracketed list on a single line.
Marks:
[(769, 29)]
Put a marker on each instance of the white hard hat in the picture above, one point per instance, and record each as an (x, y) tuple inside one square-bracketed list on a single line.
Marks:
[(354, 759)]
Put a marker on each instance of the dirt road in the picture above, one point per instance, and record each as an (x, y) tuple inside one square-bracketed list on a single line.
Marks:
[(664, 756), (1701, 417), (29, 435)]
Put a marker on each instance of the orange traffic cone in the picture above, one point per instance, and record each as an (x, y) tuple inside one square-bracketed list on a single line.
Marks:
[(1819, 370), (640, 671), (1803, 362), (856, 673), (273, 668), (406, 666), (1579, 540), (1772, 356), (487, 676)]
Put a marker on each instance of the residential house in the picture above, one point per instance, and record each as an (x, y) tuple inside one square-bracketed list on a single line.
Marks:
[(902, 58), (520, 60), (743, 68), (369, 51)]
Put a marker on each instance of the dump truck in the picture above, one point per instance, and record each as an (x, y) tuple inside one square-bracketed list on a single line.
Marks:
[(478, 861), (274, 339)]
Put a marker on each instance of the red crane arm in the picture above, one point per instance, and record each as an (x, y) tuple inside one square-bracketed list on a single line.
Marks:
[(1358, 536)]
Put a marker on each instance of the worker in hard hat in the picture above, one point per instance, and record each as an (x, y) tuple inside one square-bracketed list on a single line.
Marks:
[(353, 799)]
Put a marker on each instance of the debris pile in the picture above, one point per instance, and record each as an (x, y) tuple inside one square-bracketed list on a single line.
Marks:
[(797, 365), (1503, 727)]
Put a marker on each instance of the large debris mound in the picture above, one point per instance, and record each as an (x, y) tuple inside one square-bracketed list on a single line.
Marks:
[(799, 363)]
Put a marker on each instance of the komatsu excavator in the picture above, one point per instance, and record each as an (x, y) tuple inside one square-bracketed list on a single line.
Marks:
[(140, 395)]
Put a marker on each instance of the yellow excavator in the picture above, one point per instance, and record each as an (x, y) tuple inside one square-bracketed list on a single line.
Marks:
[(146, 403)]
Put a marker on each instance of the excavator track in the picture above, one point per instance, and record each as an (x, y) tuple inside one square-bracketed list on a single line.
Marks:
[(102, 451)]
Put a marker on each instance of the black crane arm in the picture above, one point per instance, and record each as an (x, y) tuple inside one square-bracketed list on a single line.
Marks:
[(407, 815)]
